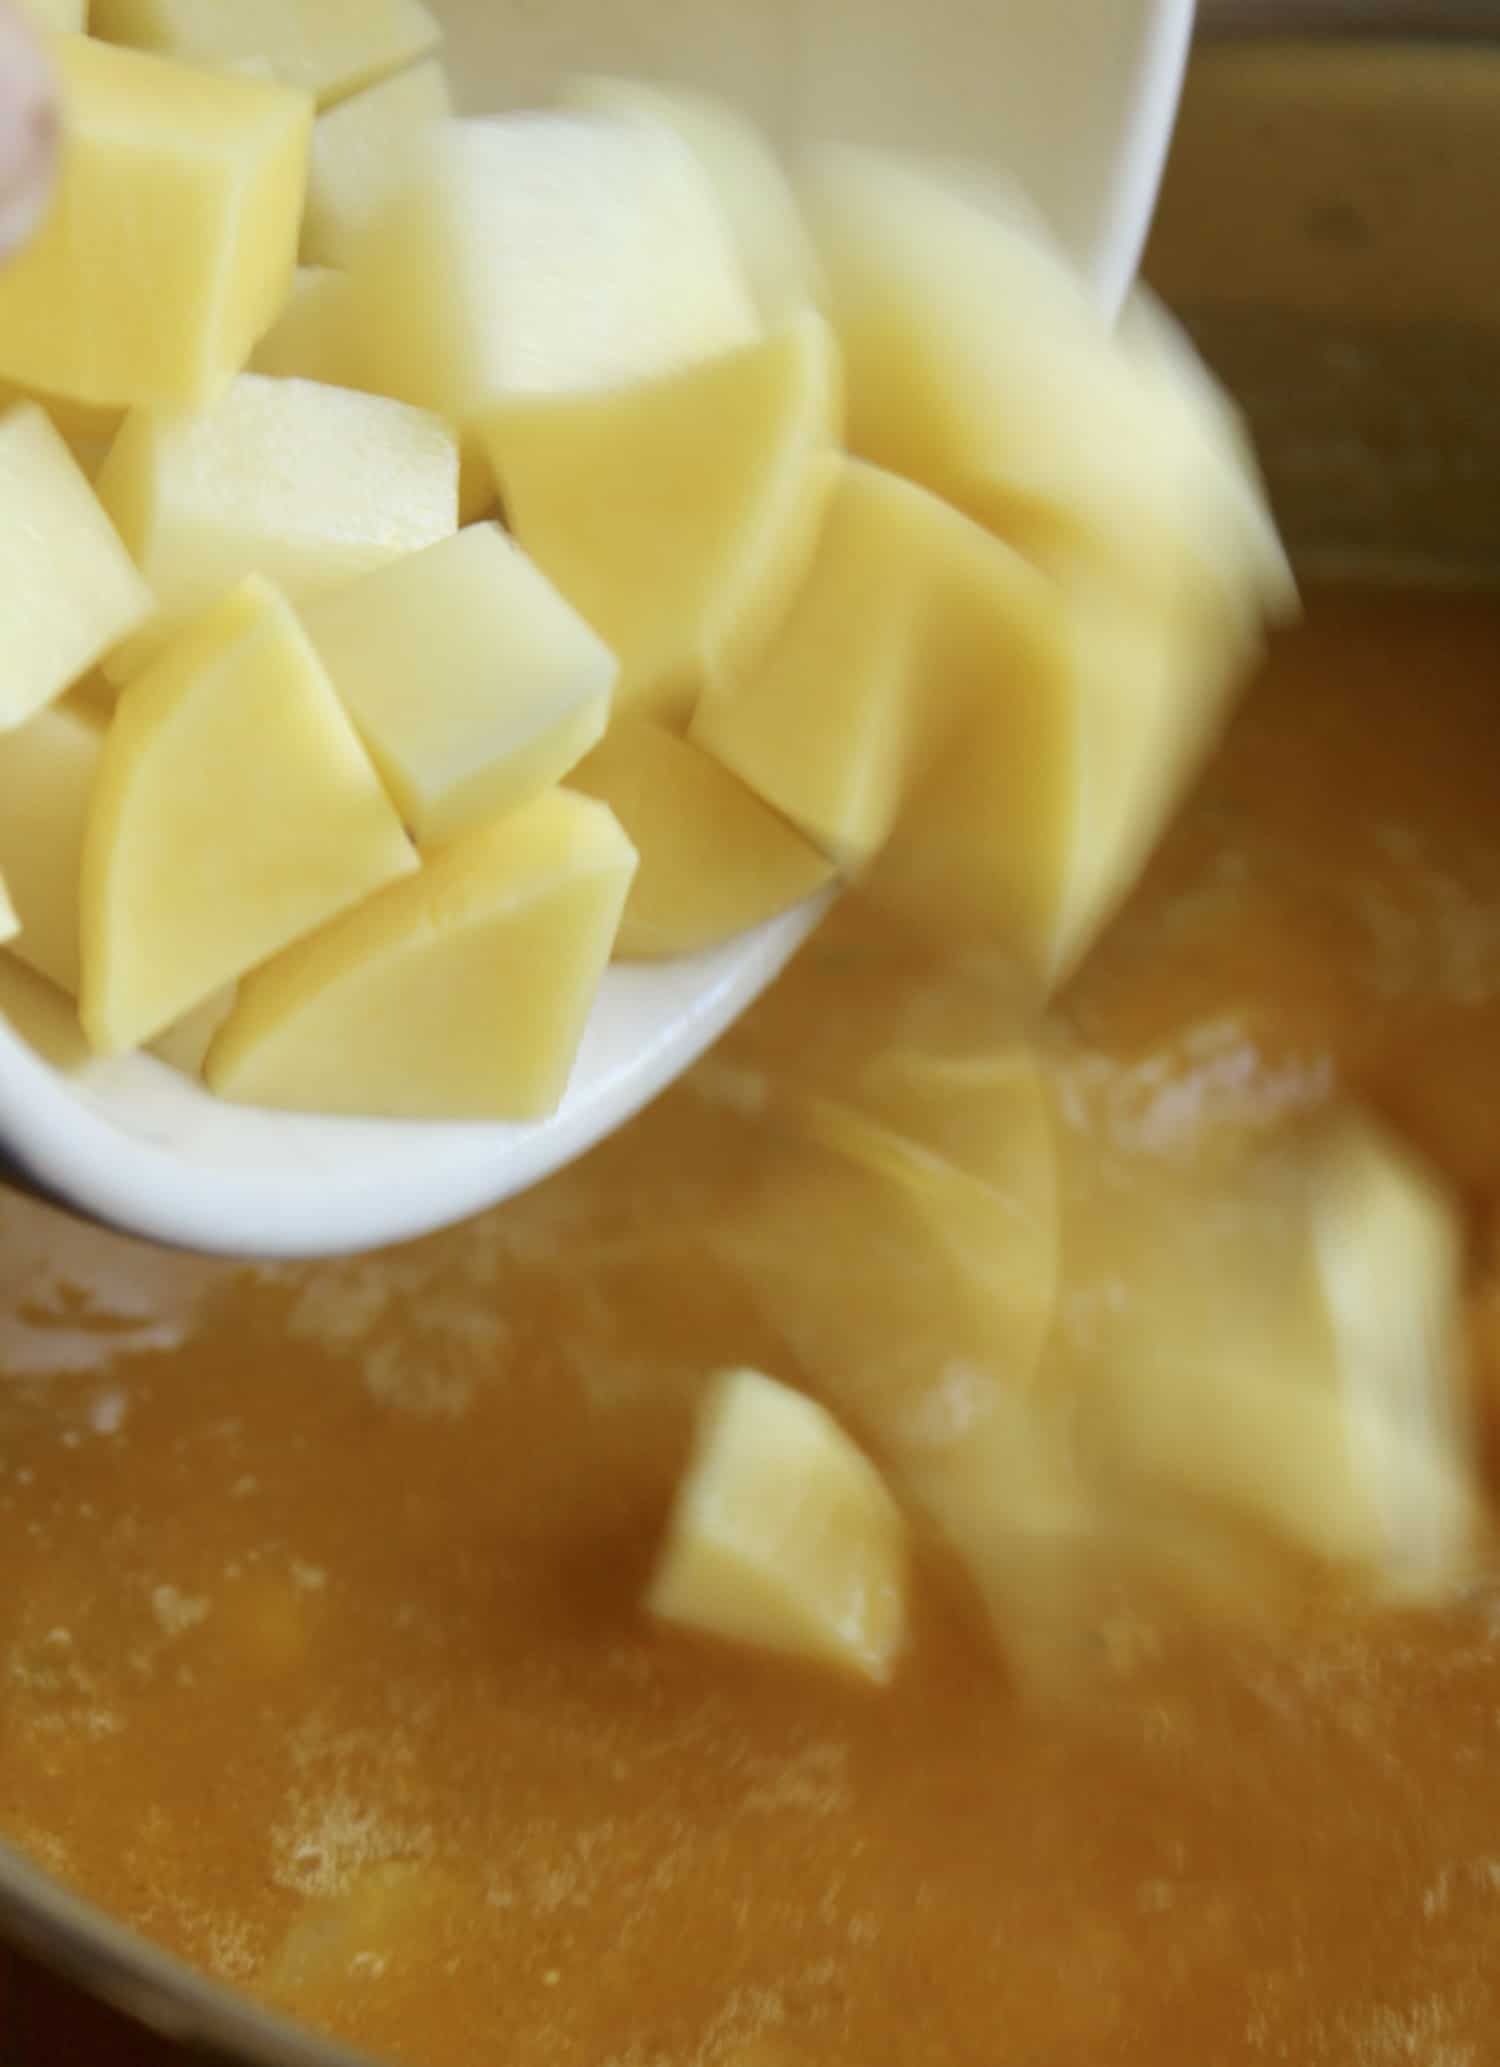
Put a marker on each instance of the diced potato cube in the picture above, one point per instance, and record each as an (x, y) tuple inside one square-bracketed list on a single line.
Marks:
[(473, 684), (680, 515), (360, 152), (47, 770), (68, 590), (172, 240), (233, 811), (325, 47), (394, 1915), (87, 431), (311, 338), (306, 484), (907, 605), (516, 920), (784, 1536), (542, 255), (775, 251), (715, 860)]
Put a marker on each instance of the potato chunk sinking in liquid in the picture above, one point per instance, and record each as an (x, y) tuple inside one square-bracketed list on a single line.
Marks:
[(234, 810), (172, 240), (784, 1536), (325, 47), (470, 680), (543, 255), (47, 770), (715, 860), (460, 994), (680, 515), (780, 266), (359, 153), (906, 608), (68, 589), (304, 484)]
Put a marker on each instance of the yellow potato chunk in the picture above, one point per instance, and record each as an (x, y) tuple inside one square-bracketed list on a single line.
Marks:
[(306, 484), (68, 15), (714, 859), (186, 1043), (359, 153), (907, 606), (1281, 1348), (470, 680), (326, 47), (516, 921), (543, 255), (233, 811), (43, 1017), (87, 431), (311, 339), (172, 240), (10, 924), (775, 251), (47, 771), (783, 1535), (680, 515), (68, 589)]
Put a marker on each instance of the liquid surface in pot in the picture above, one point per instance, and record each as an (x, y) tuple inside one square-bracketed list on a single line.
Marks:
[(321, 1653)]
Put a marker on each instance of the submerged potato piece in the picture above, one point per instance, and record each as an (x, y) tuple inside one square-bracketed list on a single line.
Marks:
[(784, 1536), (714, 859), (471, 681), (679, 515), (542, 255), (234, 810), (326, 47), (68, 589), (171, 242), (1037, 816), (305, 484), (47, 770), (1281, 1347), (461, 994), (908, 607), (359, 153), (775, 251)]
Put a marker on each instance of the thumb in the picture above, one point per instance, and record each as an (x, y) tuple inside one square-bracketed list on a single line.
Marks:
[(28, 130)]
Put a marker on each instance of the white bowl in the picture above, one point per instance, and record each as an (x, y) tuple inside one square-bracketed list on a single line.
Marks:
[(1077, 98)]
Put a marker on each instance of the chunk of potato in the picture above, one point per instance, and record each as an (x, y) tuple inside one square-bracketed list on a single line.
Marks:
[(326, 47), (47, 770), (87, 431), (908, 605), (68, 590), (543, 255), (186, 1043), (172, 240), (306, 484), (234, 810), (43, 1017), (471, 681), (783, 1535), (360, 152), (714, 859), (516, 920), (775, 251), (680, 515)]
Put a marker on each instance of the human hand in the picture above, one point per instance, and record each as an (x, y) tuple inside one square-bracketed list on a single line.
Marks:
[(28, 129)]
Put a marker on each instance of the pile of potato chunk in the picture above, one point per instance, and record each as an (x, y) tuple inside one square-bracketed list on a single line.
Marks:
[(444, 554)]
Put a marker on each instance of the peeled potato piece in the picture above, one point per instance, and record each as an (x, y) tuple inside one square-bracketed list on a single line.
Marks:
[(305, 484), (679, 515), (783, 1535), (540, 255), (186, 1043), (88, 431), (359, 153), (47, 771), (907, 608), (461, 994), (171, 243), (473, 684), (714, 859), (327, 47), (68, 589), (234, 810), (759, 206), (43, 1017)]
